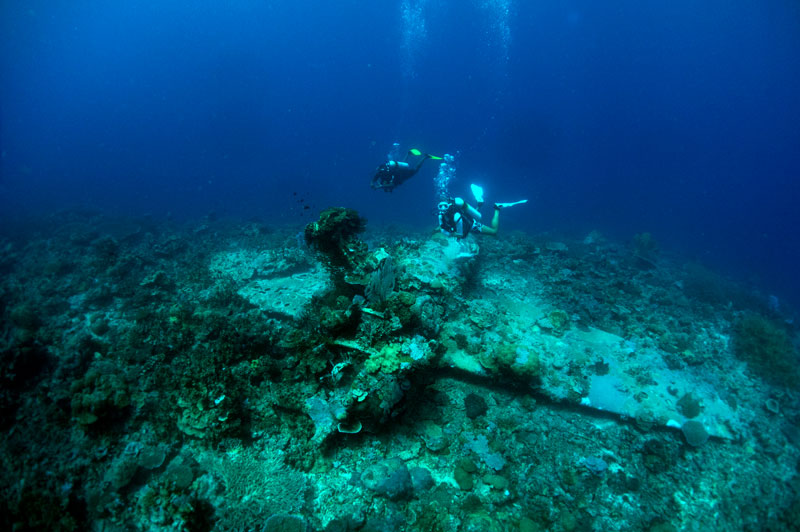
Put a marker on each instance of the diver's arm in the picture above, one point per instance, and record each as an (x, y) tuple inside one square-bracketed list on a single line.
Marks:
[(378, 179)]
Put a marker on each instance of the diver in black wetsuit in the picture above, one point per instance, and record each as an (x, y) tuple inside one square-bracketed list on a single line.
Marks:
[(392, 173)]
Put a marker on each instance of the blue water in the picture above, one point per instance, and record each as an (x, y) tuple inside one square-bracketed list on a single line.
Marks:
[(680, 119)]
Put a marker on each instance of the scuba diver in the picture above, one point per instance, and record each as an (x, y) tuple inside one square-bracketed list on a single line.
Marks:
[(393, 173), (458, 218)]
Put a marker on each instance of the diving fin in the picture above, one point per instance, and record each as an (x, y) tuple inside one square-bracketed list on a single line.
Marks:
[(506, 205), (477, 192), (416, 152)]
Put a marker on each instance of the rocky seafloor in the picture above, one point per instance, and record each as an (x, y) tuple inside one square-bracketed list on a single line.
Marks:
[(233, 375)]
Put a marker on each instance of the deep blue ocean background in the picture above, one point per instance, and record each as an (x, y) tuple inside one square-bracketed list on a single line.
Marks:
[(679, 118)]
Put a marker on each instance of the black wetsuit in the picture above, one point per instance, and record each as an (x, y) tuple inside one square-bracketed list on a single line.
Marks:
[(393, 173), (388, 175)]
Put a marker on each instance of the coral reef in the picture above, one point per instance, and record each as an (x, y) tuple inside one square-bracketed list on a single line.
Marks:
[(334, 235), (226, 375)]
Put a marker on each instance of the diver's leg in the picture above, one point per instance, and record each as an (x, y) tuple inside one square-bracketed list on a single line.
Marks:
[(419, 164), (495, 224)]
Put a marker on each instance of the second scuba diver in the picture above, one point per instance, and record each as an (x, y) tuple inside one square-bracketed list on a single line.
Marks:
[(392, 174), (457, 217)]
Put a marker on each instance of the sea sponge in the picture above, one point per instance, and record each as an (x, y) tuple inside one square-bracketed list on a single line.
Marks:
[(689, 406), (334, 233), (334, 237), (558, 322), (695, 433), (518, 360)]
